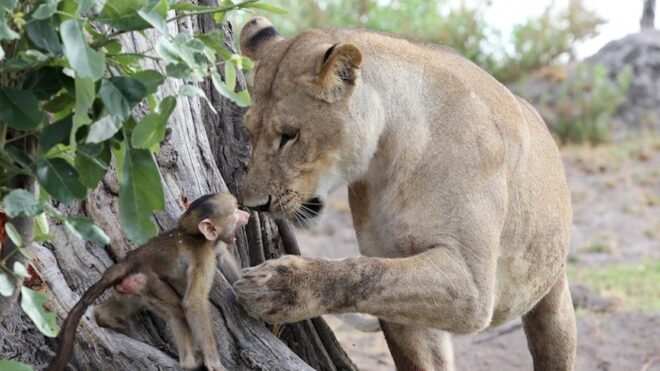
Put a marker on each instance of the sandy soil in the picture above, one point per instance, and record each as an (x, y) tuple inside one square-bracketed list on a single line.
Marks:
[(616, 196)]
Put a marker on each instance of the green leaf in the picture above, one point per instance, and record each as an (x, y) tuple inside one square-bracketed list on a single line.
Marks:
[(151, 79), (246, 63), (140, 193), (34, 57), (46, 10), (103, 129), (230, 75), (13, 235), (219, 17), (216, 41), (20, 202), (43, 82), (43, 35), (242, 98), (155, 19), (19, 156), (7, 5), (54, 134), (190, 51), (86, 229), (83, 59), (123, 14), (15, 64), (61, 102), (178, 70), (41, 230), (120, 94), (113, 47), (151, 129), (67, 10), (20, 109), (6, 33), (26, 253), (117, 150), (7, 285), (32, 303), (60, 179), (6, 365), (193, 91), (85, 95), (167, 51), (267, 7), (92, 161), (20, 270), (85, 5)]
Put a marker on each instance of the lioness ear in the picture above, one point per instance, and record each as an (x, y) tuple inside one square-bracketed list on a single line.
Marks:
[(340, 70), (257, 36), (208, 229)]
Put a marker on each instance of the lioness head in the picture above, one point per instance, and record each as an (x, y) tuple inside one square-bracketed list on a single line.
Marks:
[(306, 137)]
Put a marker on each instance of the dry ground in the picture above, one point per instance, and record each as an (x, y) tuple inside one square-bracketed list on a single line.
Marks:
[(615, 250)]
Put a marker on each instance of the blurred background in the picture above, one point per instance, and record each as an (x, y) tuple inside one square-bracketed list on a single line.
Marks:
[(592, 69)]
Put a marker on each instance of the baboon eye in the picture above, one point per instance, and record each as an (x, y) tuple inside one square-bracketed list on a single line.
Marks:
[(288, 137)]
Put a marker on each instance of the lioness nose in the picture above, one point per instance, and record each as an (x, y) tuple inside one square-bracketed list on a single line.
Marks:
[(259, 205)]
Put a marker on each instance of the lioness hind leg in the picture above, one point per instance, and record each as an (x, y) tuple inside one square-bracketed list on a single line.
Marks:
[(417, 348), (550, 329)]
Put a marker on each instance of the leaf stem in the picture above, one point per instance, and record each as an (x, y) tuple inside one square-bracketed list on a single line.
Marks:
[(57, 153), (70, 15), (141, 55), (5, 268), (8, 163), (106, 39), (3, 134), (16, 138), (3, 262), (214, 10)]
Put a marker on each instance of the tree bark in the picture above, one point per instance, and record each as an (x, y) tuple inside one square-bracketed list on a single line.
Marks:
[(202, 153), (648, 15)]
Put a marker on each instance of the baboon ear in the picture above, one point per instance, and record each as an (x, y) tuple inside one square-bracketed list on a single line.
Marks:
[(339, 72), (257, 36), (208, 229)]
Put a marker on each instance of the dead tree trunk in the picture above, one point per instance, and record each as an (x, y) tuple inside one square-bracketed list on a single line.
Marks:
[(648, 15), (203, 152)]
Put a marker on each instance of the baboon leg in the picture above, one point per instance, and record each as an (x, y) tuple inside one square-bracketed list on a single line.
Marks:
[(418, 348), (167, 305), (550, 329)]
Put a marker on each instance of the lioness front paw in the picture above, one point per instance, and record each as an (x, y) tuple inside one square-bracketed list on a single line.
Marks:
[(278, 290)]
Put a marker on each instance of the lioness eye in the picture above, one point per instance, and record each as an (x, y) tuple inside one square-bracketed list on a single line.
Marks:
[(286, 137)]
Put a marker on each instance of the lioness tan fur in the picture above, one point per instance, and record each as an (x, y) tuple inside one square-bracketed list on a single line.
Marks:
[(456, 187)]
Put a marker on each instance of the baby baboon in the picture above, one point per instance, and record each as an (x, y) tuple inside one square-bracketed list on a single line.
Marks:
[(182, 257)]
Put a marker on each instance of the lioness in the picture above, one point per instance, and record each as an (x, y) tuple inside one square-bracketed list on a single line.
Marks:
[(456, 188)]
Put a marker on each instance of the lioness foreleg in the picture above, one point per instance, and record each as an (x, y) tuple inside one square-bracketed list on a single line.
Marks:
[(419, 347), (550, 330), (440, 288)]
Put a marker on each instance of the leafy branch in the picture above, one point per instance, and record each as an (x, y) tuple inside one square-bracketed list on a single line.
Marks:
[(68, 94)]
